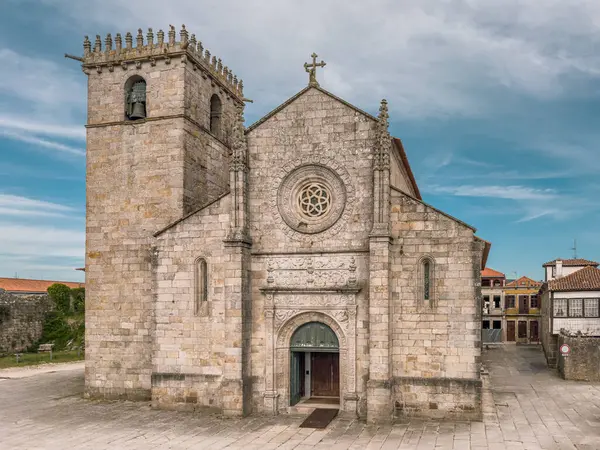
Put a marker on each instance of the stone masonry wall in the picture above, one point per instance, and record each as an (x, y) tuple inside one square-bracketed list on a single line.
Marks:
[(549, 340), (21, 320), (206, 154), (314, 129), (138, 181), (189, 351), (583, 362), (436, 343)]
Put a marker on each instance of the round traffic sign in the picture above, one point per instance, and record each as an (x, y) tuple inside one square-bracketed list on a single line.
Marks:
[(565, 349)]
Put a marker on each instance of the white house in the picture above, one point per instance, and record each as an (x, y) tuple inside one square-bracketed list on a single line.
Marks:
[(570, 301)]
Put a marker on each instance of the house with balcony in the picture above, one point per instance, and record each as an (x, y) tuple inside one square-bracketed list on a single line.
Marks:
[(570, 302), (522, 311)]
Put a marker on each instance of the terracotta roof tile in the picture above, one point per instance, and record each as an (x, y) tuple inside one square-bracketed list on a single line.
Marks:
[(25, 285), (586, 279), (524, 281), (487, 272), (572, 262)]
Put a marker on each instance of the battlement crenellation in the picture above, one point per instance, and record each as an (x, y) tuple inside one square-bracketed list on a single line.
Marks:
[(96, 55)]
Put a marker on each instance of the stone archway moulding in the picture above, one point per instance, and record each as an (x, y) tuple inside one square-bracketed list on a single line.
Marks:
[(285, 312)]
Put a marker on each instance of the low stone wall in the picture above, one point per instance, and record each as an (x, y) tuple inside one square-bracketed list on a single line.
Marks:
[(583, 362), (438, 398), (21, 320)]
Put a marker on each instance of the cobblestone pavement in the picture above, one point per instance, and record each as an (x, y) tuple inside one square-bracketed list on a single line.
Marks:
[(529, 407)]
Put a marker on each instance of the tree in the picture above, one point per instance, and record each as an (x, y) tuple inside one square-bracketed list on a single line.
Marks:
[(61, 294), (78, 295)]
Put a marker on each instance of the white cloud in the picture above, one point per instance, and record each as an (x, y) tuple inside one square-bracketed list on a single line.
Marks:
[(526, 203), (522, 203), (42, 241), (19, 202), (503, 192), (38, 232), (39, 97), (24, 207), (538, 214), (42, 143), (40, 83), (28, 213), (8, 122), (429, 58)]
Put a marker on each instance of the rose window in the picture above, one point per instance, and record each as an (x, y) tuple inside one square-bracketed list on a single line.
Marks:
[(311, 198), (314, 200)]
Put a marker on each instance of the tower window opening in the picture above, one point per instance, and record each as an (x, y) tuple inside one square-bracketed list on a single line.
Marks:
[(135, 98), (215, 114)]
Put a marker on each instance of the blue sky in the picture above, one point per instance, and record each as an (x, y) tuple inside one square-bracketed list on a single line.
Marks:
[(497, 103)]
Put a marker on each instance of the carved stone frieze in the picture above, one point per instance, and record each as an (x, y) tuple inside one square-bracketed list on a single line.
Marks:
[(341, 316), (281, 316), (310, 262), (314, 301), (312, 272)]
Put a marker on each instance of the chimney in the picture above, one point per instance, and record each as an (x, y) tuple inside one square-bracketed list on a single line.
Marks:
[(559, 267)]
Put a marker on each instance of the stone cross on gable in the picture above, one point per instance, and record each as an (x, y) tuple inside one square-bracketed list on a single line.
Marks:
[(312, 68)]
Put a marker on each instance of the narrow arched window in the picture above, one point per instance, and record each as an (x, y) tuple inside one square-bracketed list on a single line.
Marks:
[(201, 284), (426, 280), (215, 114), (135, 98)]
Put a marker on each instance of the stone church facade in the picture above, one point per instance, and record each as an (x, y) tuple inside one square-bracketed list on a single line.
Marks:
[(245, 270)]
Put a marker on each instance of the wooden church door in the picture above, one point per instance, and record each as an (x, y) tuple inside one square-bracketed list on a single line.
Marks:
[(325, 370)]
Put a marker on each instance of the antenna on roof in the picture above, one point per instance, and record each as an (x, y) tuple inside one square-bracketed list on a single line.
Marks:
[(16, 275), (574, 248)]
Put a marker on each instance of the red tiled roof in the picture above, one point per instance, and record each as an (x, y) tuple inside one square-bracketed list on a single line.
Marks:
[(586, 279), (524, 281), (572, 262), (487, 272), (25, 285)]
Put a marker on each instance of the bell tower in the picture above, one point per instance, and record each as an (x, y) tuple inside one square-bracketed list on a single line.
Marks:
[(161, 115)]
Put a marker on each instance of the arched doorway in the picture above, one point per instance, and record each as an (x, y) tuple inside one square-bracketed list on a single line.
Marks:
[(314, 364)]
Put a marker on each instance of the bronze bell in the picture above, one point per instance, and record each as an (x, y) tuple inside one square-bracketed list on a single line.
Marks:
[(138, 111), (137, 101)]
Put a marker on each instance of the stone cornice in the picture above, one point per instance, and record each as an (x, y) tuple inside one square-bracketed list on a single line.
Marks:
[(154, 119), (348, 251), (311, 290)]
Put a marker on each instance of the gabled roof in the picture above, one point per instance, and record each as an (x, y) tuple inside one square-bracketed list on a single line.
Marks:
[(572, 262), (194, 212), (298, 95), (398, 145), (418, 200), (586, 279), (487, 245), (491, 273), (23, 285), (524, 282)]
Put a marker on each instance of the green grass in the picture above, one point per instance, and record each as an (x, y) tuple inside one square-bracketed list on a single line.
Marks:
[(28, 359)]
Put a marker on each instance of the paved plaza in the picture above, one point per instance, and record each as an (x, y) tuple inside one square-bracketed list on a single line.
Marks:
[(527, 406)]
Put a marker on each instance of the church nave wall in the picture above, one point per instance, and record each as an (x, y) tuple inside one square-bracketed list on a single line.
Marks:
[(436, 334), (190, 338)]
